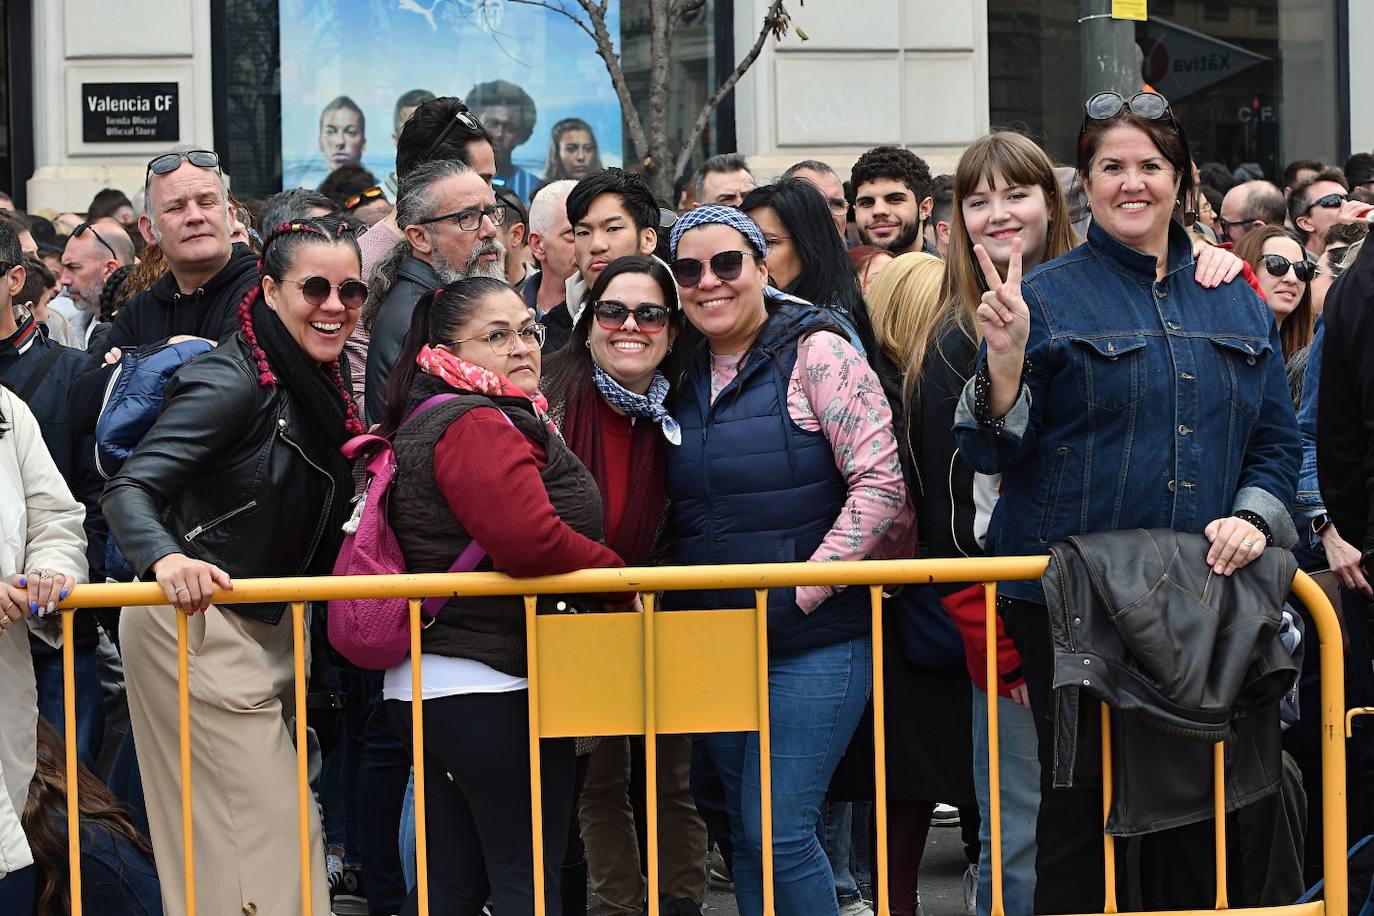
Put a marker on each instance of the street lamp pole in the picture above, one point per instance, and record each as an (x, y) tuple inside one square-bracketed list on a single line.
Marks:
[(1109, 57)]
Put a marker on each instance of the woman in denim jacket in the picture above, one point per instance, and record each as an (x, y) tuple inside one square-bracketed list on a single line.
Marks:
[(1115, 391)]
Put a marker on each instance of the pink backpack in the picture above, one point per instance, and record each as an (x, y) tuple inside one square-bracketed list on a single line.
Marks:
[(374, 633)]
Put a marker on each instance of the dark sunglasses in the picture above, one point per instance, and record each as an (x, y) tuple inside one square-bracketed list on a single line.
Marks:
[(611, 314), (76, 234), (1329, 202), (461, 116), (1278, 266), (1106, 105), (362, 197), (170, 162), (315, 290), (725, 265)]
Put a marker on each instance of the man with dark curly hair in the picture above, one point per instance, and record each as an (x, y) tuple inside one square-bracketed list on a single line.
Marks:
[(508, 114), (892, 199)]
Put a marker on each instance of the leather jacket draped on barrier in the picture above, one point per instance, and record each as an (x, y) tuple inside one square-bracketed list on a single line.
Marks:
[(1183, 656), (223, 477)]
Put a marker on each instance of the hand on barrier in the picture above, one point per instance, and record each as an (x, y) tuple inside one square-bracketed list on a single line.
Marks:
[(1215, 266), (1235, 543), (34, 592), (189, 584)]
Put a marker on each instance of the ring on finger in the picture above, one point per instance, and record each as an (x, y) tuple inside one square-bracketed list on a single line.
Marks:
[(1247, 543), (180, 590)]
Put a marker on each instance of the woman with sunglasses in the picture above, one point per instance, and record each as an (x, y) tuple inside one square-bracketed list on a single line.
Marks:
[(607, 392), (485, 474), (240, 475), (1065, 404), (787, 454), (1285, 278)]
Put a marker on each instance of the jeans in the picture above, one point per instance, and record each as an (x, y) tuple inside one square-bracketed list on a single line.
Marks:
[(407, 839), (816, 699), (90, 704), (116, 879), (340, 771), (837, 826), (383, 767), (1020, 803)]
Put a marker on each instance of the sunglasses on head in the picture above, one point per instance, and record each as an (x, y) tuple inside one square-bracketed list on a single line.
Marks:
[(611, 314), (362, 197), (461, 116), (315, 291), (1106, 105), (1278, 266), (170, 162), (1328, 201), (725, 265), (76, 234)]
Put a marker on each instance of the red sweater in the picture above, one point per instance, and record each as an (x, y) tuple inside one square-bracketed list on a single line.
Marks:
[(616, 432), (489, 473)]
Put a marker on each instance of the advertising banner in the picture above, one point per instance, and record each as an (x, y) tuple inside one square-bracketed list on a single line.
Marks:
[(353, 70)]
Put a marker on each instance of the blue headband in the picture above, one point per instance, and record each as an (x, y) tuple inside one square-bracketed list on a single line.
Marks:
[(726, 216)]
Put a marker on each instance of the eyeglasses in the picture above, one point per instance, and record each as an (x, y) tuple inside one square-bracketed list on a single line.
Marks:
[(1278, 266), (502, 340), (362, 197), (1106, 105), (771, 240), (725, 265), (1328, 202), (315, 290), (469, 220), (170, 162), (461, 116), (611, 315), (76, 234)]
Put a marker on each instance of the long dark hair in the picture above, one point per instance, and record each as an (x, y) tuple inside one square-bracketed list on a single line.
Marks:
[(570, 369), (1299, 327), (45, 818), (436, 317), (827, 277)]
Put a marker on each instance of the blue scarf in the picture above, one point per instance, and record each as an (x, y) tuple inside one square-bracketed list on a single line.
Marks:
[(649, 406)]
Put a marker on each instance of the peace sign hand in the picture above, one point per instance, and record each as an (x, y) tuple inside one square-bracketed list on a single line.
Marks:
[(1002, 314)]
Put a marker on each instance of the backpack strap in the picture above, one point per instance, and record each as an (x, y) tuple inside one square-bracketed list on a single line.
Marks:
[(41, 372)]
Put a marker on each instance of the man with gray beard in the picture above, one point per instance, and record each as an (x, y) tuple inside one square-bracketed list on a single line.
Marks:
[(449, 216)]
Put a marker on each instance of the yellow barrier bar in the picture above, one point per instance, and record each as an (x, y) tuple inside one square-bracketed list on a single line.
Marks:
[(303, 797), (69, 735), (417, 743), (1219, 815), (188, 851), (1108, 841), (1352, 714), (994, 694), (651, 752), (875, 596), (765, 747), (536, 768), (1337, 890)]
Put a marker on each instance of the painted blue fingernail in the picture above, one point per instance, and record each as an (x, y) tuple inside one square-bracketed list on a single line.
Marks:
[(66, 592), (33, 606), (23, 580)]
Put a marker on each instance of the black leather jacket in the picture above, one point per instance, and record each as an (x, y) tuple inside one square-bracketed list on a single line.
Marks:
[(222, 477), (1184, 657), (414, 278)]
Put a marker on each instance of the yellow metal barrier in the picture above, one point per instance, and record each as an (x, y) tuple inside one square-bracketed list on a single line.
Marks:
[(683, 673)]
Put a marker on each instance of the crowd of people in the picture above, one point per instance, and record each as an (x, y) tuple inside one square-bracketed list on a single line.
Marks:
[(577, 375)]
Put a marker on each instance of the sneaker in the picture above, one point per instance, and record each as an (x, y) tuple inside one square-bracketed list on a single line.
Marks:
[(333, 867), (855, 906), (718, 876), (944, 816), (971, 889)]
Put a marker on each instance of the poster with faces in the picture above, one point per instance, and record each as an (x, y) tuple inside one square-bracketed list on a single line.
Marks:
[(351, 69)]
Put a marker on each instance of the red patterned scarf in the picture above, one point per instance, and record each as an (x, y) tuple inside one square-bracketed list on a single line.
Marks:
[(468, 376)]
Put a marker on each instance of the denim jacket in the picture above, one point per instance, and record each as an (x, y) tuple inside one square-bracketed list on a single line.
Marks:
[(1144, 404), (1309, 502)]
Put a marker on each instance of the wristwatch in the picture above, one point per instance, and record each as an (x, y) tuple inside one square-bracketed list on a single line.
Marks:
[(1321, 523)]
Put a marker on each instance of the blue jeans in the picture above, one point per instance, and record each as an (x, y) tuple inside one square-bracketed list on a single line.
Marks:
[(816, 699), (1020, 781), (90, 703), (837, 825), (407, 838)]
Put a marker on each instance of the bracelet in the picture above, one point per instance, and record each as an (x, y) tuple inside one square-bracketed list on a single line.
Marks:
[(1255, 519), (982, 392)]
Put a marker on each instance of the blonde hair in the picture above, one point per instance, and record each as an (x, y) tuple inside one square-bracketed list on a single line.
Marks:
[(1018, 161), (907, 311)]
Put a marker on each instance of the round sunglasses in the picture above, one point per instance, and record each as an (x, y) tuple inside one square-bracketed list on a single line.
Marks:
[(1278, 266), (1106, 105), (611, 314), (315, 291), (725, 266)]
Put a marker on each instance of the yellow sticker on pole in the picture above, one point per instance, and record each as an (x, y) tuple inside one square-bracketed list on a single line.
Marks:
[(1129, 9)]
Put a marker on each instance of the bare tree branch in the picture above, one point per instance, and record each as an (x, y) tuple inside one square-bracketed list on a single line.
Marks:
[(684, 8), (774, 23), (561, 10)]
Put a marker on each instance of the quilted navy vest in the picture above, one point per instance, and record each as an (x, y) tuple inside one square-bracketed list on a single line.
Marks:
[(749, 486)]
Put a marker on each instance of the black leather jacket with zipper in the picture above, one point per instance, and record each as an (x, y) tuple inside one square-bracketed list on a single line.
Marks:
[(223, 477)]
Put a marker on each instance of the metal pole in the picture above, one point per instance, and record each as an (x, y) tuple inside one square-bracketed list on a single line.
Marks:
[(1108, 56)]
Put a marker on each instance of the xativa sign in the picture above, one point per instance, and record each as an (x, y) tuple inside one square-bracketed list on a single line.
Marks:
[(129, 113), (1179, 62)]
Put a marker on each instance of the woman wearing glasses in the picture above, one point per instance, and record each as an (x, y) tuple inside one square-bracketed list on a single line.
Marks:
[(1285, 277), (787, 454), (606, 392), (240, 475), (484, 467), (1066, 405)]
